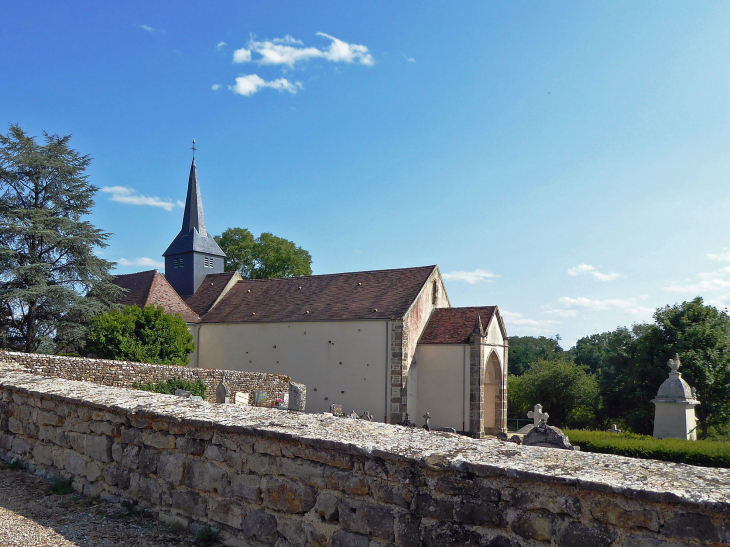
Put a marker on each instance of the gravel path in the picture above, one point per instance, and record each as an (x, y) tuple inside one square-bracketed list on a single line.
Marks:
[(32, 516)]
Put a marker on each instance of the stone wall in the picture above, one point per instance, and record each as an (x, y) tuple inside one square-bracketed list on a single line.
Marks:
[(126, 373), (272, 478)]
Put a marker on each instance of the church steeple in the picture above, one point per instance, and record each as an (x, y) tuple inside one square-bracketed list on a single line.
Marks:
[(193, 218), (193, 254)]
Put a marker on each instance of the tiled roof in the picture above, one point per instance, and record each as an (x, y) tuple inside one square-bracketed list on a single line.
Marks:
[(455, 325), (380, 294), (151, 287), (208, 292)]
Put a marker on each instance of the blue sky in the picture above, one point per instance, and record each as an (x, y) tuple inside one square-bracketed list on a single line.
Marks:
[(567, 161)]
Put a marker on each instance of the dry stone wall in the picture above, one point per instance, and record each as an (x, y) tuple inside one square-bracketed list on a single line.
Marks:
[(126, 373), (273, 478)]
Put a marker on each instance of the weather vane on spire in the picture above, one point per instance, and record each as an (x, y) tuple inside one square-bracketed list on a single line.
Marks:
[(193, 148)]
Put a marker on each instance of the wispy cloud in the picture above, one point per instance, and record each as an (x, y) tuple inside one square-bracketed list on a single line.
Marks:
[(215, 87), (534, 325), (220, 45), (477, 276), (708, 281), (141, 261), (408, 58), (559, 312), (724, 256), (583, 269), (147, 28), (288, 51), (129, 196), (249, 84), (627, 305)]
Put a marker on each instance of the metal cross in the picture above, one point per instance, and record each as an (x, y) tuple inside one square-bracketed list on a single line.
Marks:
[(193, 148)]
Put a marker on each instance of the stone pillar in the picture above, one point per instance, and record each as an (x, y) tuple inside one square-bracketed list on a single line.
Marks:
[(476, 381), (297, 396), (675, 402)]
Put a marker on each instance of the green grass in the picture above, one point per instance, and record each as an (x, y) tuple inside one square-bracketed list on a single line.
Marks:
[(703, 453), (169, 386), (206, 536), (61, 487)]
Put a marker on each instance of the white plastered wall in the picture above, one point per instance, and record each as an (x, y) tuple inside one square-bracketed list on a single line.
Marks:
[(313, 358), (443, 385)]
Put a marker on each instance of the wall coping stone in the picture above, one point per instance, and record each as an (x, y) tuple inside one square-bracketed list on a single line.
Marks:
[(702, 487)]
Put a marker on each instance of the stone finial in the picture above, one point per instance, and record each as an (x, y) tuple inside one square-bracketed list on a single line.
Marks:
[(538, 415), (674, 364), (478, 327), (427, 424)]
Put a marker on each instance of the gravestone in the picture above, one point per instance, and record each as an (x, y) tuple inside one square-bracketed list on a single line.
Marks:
[(366, 416), (427, 425), (675, 402), (297, 396), (547, 436), (537, 415), (336, 410), (182, 393), (354, 415), (222, 392), (614, 429), (241, 398)]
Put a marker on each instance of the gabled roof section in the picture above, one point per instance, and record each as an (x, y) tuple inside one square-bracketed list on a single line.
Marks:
[(151, 287), (211, 290), (193, 236), (379, 294), (456, 325)]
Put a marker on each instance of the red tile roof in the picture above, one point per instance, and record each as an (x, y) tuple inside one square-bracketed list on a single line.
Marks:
[(380, 294), (151, 287), (208, 292), (455, 325)]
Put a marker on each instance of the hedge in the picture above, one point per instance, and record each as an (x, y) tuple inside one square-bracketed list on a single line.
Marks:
[(703, 453)]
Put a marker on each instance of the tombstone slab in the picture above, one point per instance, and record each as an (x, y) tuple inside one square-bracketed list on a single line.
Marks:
[(222, 392), (547, 436), (297, 396)]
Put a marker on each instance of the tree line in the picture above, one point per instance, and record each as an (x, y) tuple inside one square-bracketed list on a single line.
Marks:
[(612, 377)]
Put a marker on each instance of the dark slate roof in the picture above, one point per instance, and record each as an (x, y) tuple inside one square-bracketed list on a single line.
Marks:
[(193, 236), (151, 287), (208, 292), (380, 294), (455, 325)]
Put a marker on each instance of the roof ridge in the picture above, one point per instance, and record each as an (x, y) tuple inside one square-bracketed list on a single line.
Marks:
[(341, 273), (136, 273)]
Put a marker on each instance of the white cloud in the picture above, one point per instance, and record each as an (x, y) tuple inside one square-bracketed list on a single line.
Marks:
[(247, 85), (408, 58), (720, 257), (141, 261), (129, 196), (215, 87), (560, 312), (289, 51), (242, 55), (517, 319), (627, 305), (477, 276), (221, 45), (582, 269), (147, 28), (709, 281)]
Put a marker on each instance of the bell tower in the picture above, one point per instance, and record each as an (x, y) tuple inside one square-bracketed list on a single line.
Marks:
[(193, 253)]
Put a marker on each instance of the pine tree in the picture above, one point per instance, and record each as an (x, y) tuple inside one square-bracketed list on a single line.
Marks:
[(51, 282)]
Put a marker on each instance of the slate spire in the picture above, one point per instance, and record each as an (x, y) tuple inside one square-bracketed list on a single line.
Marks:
[(193, 218)]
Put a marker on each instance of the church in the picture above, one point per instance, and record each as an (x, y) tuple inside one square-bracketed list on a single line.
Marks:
[(383, 341)]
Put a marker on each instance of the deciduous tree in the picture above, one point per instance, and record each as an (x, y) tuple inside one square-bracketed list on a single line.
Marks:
[(263, 257)]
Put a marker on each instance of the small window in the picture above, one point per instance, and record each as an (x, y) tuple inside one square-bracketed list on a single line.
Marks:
[(181, 262), (435, 291)]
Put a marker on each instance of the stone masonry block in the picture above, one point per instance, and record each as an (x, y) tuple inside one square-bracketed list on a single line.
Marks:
[(346, 539), (99, 447), (159, 440), (43, 453), (226, 512), (246, 486), (203, 475), (287, 495), (171, 467), (433, 508), (369, 519), (260, 526), (189, 502)]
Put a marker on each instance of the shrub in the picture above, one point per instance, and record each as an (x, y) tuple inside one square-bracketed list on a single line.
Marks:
[(171, 384), (703, 453), (61, 486)]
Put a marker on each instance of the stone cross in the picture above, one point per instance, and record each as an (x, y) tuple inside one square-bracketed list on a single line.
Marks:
[(614, 429), (538, 415), (427, 425)]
